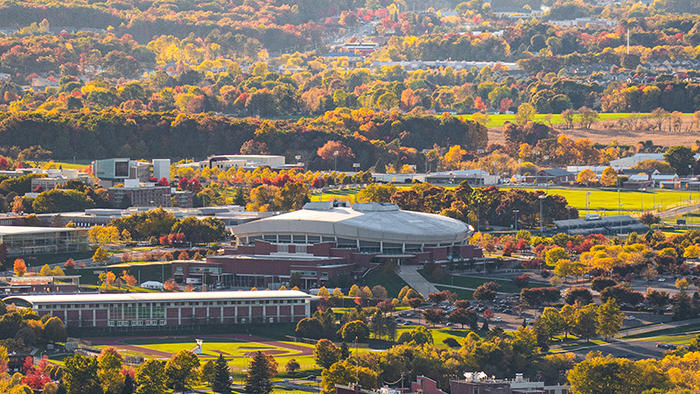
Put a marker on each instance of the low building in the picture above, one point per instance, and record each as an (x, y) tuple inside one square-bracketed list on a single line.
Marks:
[(474, 177), (551, 175), (479, 382), (136, 194), (40, 284), (594, 224), (631, 161), (25, 241), (169, 310)]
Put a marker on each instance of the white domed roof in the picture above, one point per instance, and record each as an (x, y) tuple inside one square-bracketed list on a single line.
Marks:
[(369, 221)]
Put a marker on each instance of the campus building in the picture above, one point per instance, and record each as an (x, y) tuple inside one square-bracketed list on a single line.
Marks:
[(24, 241), (325, 240), (169, 310)]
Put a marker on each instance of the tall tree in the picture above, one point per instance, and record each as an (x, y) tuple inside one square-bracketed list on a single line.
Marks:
[(150, 378), (261, 370), (80, 375), (182, 370), (222, 376), (609, 318)]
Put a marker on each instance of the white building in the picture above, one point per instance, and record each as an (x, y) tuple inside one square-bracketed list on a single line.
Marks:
[(629, 162)]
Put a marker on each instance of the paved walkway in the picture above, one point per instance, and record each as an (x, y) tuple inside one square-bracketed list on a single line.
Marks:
[(410, 275), (657, 327)]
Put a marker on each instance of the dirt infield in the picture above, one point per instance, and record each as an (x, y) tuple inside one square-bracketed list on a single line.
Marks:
[(118, 342)]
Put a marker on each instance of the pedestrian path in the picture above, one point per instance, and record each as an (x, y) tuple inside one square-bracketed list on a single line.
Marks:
[(410, 275)]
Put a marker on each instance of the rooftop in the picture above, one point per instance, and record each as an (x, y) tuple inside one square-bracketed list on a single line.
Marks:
[(18, 230), (155, 297)]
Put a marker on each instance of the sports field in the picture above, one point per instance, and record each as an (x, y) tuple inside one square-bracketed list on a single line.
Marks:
[(236, 349)]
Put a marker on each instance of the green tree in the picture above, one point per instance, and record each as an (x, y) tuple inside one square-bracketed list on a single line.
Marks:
[(222, 376), (80, 375), (680, 158), (54, 330), (610, 375), (552, 256), (109, 372), (610, 318), (376, 192), (182, 370), (326, 353), (355, 330), (586, 324), (526, 112), (261, 370), (207, 371), (344, 372), (150, 377)]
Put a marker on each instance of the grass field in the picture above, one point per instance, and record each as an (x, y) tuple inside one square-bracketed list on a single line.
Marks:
[(440, 334), (236, 353), (390, 280), (474, 282), (498, 120)]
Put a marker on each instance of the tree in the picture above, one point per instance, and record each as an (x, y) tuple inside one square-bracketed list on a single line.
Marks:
[(54, 330), (20, 267), (486, 292), (207, 371), (292, 366), (586, 319), (100, 256), (326, 353), (222, 376), (680, 158), (110, 364), (434, 316), (578, 295), (182, 370), (261, 370), (376, 192), (608, 177), (150, 377), (610, 318), (309, 327), (586, 177), (464, 316), (551, 322), (552, 256), (526, 112), (80, 375), (682, 308), (657, 299), (355, 330), (345, 372), (610, 375), (588, 116)]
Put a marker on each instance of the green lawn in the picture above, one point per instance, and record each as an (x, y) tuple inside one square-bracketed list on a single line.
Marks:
[(236, 353), (632, 201), (498, 120), (507, 286)]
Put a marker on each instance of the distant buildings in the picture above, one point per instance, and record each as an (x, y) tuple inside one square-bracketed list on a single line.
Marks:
[(224, 162), (137, 194), (169, 310), (594, 224), (24, 241), (475, 177), (478, 382), (40, 284), (112, 171)]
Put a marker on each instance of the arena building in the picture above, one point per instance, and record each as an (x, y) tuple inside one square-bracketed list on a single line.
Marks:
[(169, 310), (325, 240)]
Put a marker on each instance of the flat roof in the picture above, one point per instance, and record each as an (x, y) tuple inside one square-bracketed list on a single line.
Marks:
[(17, 230), (155, 297)]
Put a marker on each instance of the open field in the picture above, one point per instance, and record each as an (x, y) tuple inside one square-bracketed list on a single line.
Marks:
[(236, 349), (440, 334), (634, 202), (598, 133)]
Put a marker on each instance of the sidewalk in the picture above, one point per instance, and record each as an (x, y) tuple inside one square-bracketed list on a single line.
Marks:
[(410, 275)]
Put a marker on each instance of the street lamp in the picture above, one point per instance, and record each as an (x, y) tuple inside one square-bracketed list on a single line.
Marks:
[(516, 211), (588, 201), (542, 197), (335, 159)]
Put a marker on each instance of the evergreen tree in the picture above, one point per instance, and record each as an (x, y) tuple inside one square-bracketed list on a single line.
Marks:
[(260, 373), (222, 376), (344, 351)]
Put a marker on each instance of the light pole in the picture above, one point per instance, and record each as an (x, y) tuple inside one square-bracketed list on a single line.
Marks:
[(515, 212), (335, 161), (588, 201), (542, 198)]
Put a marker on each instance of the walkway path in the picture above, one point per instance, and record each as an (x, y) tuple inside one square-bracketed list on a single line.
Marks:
[(410, 275)]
